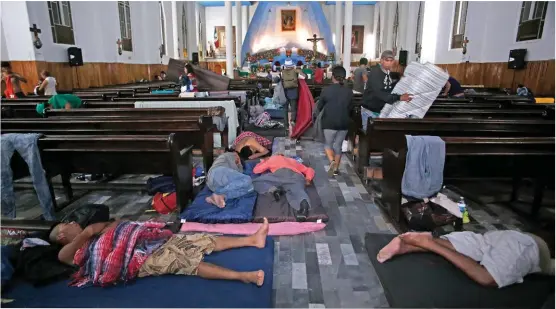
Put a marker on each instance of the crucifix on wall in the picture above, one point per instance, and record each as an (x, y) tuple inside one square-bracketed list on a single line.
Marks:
[(119, 42), (464, 45), (36, 41), (314, 40)]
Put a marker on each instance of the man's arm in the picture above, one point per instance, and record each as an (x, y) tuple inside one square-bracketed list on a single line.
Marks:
[(68, 251), (447, 88), (322, 100), (376, 86), (261, 151), (19, 77), (43, 84)]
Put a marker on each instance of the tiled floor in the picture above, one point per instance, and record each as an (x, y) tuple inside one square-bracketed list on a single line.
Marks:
[(329, 268)]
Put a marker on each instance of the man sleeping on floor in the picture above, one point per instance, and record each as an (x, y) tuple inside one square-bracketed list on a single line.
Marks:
[(496, 258), (109, 252)]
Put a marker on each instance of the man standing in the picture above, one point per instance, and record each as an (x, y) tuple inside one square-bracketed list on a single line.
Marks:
[(290, 82), (378, 89), (11, 81), (360, 76)]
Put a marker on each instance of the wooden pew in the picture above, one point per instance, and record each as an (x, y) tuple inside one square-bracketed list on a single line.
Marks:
[(199, 131), (514, 156), (120, 154), (381, 133)]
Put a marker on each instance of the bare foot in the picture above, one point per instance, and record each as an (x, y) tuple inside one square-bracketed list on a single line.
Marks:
[(416, 239), (217, 200), (396, 247), (256, 277), (259, 238)]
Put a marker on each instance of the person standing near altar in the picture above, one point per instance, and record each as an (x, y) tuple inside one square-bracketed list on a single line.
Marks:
[(290, 81)]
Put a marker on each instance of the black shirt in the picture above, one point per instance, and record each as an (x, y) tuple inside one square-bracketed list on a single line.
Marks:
[(337, 102), (378, 91)]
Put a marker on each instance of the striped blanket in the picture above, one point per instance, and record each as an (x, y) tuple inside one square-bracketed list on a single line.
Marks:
[(424, 82), (118, 254)]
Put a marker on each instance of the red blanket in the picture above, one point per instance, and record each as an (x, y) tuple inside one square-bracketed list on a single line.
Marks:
[(305, 106)]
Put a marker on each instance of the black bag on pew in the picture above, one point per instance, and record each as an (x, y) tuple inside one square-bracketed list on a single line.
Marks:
[(88, 214), (426, 216)]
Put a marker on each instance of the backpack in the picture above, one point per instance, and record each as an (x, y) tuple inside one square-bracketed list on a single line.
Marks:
[(164, 203), (289, 79)]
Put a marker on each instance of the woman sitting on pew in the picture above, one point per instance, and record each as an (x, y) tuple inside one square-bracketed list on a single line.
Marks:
[(48, 84), (251, 146), (188, 80), (60, 101)]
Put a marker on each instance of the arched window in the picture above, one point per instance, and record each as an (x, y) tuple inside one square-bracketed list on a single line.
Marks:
[(162, 29)]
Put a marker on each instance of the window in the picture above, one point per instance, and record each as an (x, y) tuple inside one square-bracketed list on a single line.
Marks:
[(378, 48), (60, 22), (531, 20), (125, 25), (458, 28), (162, 29), (395, 30)]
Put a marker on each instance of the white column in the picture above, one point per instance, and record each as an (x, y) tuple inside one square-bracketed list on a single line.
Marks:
[(338, 27), (176, 43), (347, 36), (15, 27), (229, 39), (239, 39), (431, 18)]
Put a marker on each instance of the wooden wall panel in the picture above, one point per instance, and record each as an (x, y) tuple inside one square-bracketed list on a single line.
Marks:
[(215, 66), (89, 75)]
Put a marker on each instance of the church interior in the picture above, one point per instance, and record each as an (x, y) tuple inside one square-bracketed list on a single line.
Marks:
[(246, 154)]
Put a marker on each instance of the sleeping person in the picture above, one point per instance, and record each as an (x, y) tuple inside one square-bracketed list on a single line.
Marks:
[(60, 101), (109, 252), (496, 258), (226, 180), (251, 146), (289, 177)]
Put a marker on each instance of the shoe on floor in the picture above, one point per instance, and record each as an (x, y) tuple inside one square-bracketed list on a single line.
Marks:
[(331, 169), (277, 194), (303, 212), (336, 172)]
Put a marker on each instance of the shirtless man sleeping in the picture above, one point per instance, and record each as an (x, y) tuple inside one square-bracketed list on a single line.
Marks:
[(496, 258), (109, 252)]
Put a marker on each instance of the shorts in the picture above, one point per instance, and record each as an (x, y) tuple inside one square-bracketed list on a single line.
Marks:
[(365, 115), (508, 256), (180, 255)]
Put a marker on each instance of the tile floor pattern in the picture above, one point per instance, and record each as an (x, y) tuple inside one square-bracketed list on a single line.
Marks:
[(329, 268)]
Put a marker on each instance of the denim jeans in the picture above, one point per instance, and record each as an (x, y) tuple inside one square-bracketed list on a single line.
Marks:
[(365, 115), (26, 146), (232, 184)]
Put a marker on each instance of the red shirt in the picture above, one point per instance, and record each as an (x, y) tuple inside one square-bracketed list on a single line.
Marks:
[(275, 163), (319, 75), (9, 92)]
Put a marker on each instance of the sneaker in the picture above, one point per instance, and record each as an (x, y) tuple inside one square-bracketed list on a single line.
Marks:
[(303, 212), (331, 169), (277, 194), (336, 172)]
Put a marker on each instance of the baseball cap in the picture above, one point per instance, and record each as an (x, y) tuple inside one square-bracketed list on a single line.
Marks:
[(288, 63), (387, 54)]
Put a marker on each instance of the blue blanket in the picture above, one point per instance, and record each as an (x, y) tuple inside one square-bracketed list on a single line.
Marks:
[(164, 291), (239, 210), (424, 166)]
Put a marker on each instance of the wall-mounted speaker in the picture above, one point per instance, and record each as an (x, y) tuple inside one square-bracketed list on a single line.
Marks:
[(402, 59), (516, 60), (195, 58), (75, 57)]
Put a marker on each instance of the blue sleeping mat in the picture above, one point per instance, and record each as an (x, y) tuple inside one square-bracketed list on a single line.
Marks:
[(239, 210), (164, 291)]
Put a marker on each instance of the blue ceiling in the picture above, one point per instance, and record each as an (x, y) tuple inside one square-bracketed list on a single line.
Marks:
[(221, 3)]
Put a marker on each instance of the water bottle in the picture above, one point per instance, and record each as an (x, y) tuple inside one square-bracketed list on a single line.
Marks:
[(463, 208)]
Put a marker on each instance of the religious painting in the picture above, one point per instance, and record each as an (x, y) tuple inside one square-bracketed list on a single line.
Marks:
[(288, 20), (220, 39), (357, 39)]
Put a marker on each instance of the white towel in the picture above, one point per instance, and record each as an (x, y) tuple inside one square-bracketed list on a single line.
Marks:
[(424, 82)]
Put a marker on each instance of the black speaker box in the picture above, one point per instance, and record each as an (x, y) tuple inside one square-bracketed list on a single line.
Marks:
[(403, 57), (195, 58), (516, 60), (75, 57)]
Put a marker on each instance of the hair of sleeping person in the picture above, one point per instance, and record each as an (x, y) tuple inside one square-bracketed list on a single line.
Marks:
[(339, 74), (245, 153), (189, 68)]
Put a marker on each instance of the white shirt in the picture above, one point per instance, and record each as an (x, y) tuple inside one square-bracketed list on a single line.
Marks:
[(50, 88)]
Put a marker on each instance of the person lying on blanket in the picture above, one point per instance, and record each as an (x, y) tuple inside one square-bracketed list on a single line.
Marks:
[(109, 252), (496, 258), (60, 101), (289, 177), (226, 180), (251, 146)]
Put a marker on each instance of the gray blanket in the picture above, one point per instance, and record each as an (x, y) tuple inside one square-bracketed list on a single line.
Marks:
[(424, 166)]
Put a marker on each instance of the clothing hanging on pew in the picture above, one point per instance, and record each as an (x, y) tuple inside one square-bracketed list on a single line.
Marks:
[(26, 146)]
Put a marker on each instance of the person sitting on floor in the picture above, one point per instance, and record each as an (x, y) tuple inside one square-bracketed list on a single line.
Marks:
[(287, 177), (496, 258), (453, 88), (226, 180), (60, 101), (109, 252), (251, 146)]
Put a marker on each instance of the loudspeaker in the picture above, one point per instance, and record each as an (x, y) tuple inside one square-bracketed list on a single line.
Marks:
[(403, 57), (75, 57), (517, 59), (195, 58)]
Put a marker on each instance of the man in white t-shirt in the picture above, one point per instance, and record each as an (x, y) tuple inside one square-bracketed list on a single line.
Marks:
[(496, 258)]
